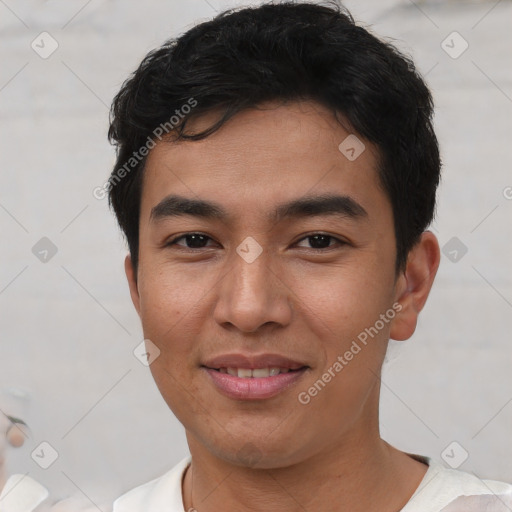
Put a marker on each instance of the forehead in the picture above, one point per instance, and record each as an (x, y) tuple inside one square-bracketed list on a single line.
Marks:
[(262, 157)]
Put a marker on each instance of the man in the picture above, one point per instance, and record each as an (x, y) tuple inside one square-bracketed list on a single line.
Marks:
[(276, 173)]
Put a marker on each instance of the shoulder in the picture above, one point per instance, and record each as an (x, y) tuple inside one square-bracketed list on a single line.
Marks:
[(441, 487), (466, 482), (151, 496)]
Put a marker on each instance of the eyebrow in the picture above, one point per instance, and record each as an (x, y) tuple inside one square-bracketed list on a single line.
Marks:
[(303, 207)]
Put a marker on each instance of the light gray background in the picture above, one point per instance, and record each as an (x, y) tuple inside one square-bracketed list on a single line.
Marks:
[(68, 328)]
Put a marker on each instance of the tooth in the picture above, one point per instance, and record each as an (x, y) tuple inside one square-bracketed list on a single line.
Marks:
[(246, 373), (261, 372)]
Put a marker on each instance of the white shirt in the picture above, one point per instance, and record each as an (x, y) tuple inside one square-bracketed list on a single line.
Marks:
[(438, 489)]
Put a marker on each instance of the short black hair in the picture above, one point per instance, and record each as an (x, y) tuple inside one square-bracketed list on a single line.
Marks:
[(282, 51)]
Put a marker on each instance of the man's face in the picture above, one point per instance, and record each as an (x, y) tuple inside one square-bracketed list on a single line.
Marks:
[(214, 301)]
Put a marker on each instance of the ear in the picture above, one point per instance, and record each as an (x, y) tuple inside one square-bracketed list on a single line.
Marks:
[(414, 284), (132, 282)]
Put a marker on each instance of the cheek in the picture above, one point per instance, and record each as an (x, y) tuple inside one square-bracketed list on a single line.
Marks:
[(344, 313), (341, 302), (169, 301), (170, 305)]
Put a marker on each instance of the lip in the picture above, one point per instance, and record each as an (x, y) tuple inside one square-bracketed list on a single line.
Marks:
[(259, 388), (252, 361)]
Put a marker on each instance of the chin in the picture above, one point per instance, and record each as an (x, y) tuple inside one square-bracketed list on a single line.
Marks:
[(257, 454)]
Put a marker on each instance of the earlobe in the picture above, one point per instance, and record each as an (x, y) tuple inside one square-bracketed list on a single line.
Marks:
[(414, 285), (132, 282)]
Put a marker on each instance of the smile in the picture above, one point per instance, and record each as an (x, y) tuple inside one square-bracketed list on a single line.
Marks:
[(247, 373), (253, 384)]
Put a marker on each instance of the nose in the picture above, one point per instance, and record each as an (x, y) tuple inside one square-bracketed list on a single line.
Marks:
[(252, 294)]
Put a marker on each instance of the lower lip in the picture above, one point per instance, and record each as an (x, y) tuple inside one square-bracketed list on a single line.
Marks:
[(252, 388)]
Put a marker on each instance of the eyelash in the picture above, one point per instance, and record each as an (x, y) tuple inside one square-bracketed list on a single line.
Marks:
[(176, 239)]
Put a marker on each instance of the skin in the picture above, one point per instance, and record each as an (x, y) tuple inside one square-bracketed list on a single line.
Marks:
[(12, 434), (294, 300)]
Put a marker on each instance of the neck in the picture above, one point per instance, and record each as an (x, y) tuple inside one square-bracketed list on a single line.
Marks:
[(357, 474)]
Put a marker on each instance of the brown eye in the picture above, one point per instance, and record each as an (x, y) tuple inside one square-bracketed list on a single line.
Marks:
[(192, 241), (321, 241)]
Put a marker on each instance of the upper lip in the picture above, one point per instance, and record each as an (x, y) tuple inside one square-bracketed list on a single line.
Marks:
[(252, 361)]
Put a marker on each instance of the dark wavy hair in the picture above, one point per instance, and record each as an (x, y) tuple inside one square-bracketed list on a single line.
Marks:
[(285, 51)]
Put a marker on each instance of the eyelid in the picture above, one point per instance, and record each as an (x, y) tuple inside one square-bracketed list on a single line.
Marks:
[(174, 239), (339, 240)]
